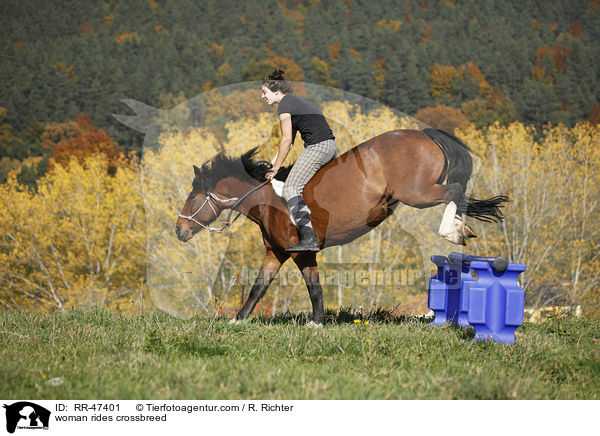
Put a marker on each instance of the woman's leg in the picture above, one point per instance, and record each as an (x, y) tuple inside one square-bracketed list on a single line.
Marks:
[(313, 158)]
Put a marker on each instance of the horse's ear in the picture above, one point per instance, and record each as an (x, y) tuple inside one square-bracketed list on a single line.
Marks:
[(196, 171)]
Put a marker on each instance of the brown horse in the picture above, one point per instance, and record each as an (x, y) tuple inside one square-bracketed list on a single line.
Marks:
[(348, 197)]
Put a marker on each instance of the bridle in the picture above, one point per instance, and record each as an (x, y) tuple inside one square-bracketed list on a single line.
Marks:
[(228, 222)]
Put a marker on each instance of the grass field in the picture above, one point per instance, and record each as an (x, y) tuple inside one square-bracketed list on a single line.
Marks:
[(98, 354)]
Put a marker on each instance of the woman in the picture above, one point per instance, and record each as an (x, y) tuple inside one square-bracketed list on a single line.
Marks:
[(299, 115)]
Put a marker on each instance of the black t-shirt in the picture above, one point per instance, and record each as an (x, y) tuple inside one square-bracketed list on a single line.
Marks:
[(306, 119)]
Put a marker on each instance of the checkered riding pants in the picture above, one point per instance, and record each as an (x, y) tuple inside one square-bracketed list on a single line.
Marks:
[(313, 158)]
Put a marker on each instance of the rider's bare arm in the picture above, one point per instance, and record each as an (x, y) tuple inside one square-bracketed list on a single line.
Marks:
[(285, 145)]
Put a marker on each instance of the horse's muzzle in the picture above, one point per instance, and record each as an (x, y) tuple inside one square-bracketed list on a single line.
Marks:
[(184, 234)]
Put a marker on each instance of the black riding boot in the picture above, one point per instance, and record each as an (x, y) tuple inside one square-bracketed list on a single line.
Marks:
[(308, 242)]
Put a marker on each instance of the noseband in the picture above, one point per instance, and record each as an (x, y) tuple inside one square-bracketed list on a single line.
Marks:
[(209, 195), (229, 222)]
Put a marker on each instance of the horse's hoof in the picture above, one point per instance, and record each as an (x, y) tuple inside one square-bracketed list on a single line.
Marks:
[(234, 321), (454, 237), (314, 324)]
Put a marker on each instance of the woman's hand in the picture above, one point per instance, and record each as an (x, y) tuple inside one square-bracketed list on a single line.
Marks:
[(271, 173)]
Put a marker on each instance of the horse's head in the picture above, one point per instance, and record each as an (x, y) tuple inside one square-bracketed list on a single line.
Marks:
[(201, 208), (213, 184)]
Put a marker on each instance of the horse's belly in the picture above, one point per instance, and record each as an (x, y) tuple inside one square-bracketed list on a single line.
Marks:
[(345, 216)]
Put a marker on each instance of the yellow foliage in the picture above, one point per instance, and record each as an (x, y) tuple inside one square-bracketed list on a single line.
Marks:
[(224, 70), (127, 37), (393, 25), (109, 20), (81, 238), (442, 80), (295, 15), (78, 241), (551, 222)]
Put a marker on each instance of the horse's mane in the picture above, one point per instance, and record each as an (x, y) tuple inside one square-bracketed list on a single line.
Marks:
[(221, 166)]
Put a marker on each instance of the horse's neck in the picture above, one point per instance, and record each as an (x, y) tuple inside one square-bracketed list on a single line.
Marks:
[(231, 188)]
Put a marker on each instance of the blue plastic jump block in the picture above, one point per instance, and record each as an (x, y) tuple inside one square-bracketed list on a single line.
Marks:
[(447, 295), (493, 304), (496, 303)]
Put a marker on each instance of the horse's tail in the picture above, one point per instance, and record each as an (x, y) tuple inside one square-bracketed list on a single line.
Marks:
[(460, 168), (485, 210)]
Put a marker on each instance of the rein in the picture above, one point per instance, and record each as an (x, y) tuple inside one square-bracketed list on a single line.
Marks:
[(229, 221)]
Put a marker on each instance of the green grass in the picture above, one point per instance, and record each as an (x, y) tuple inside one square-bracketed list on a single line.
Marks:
[(98, 354)]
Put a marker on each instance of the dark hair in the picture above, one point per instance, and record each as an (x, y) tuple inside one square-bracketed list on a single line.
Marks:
[(276, 82)]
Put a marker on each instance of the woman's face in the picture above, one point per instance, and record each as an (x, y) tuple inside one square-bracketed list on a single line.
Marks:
[(269, 96)]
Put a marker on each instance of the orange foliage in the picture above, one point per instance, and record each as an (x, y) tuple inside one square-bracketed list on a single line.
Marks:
[(85, 145), (427, 33), (575, 29), (294, 15), (558, 55), (69, 71), (109, 20), (380, 66), (293, 71), (123, 37), (218, 49), (160, 30), (85, 28), (79, 138), (443, 79), (356, 54), (334, 50), (55, 133), (380, 69), (484, 87), (443, 117)]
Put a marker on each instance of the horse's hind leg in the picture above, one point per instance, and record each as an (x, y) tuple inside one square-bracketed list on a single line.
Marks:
[(269, 269), (452, 227), (307, 263)]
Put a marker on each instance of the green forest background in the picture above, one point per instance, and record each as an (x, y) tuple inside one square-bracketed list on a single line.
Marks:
[(446, 62), (518, 81)]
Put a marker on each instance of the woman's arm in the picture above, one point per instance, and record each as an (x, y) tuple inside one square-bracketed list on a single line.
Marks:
[(284, 146)]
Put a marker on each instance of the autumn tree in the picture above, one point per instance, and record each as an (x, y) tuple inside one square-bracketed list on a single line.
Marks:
[(79, 138), (443, 117)]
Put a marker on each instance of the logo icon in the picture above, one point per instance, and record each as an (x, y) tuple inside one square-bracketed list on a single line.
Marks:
[(26, 415)]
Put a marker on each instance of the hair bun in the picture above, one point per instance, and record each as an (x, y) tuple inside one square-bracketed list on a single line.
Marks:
[(277, 75), (276, 82)]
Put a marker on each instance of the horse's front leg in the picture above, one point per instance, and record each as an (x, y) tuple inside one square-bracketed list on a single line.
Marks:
[(307, 263), (270, 266)]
